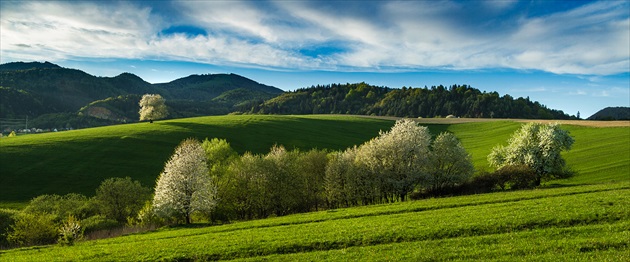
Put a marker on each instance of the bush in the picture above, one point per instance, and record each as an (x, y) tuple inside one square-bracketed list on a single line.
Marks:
[(7, 218), (70, 231), (33, 229), (60, 207), (98, 222), (516, 177)]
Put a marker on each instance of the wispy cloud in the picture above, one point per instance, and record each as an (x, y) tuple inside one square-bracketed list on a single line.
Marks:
[(590, 39)]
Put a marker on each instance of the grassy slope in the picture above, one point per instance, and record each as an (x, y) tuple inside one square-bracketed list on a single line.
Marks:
[(569, 223), (77, 161), (575, 222)]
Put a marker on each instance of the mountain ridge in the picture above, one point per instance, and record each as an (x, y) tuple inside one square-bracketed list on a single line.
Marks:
[(50, 94)]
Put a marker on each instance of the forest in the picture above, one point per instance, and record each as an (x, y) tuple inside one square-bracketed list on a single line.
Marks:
[(437, 101)]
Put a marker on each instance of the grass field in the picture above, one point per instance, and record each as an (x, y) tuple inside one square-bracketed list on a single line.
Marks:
[(77, 161), (577, 223), (585, 218)]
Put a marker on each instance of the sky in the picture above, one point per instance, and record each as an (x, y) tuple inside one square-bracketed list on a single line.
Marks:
[(568, 55)]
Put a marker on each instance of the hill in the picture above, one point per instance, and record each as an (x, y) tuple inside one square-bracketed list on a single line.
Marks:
[(437, 101), (77, 161), (40, 89), (612, 113)]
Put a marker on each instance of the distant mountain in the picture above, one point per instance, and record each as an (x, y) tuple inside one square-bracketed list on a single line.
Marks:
[(437, 101), (612, 113), (45, 89), (25, 66), (52, 96)]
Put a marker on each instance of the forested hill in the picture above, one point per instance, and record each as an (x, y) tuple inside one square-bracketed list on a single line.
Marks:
[(53, 96), (437, 101), (612, 113)]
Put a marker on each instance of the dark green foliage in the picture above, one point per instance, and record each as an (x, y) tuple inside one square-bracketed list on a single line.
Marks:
[(35, 89), (437, 101), (516, 177), (120, 109), (25, 66), (60, 207), (68, 121), (121, 198), (33, 229), (17, 104), (97, 223), (612, 113), (7, 218)]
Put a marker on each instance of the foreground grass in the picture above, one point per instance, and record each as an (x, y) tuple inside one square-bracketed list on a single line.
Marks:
[(588, 222)]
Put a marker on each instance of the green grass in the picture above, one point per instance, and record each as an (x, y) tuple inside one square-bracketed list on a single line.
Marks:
[(78, 161), (588, 222), (585, 218)]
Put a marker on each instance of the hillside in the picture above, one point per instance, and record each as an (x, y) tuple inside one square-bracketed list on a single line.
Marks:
[(612, 113), (437, 101), (41, 89), (77, 161), (578, 223)]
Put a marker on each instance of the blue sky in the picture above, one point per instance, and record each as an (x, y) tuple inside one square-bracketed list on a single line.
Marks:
[(569, 55)]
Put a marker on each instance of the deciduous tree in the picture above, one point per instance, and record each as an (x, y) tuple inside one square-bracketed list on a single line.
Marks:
[(185, 185), (397, 158), (449, 165), (537, 146), (120, 198), (152, 107)]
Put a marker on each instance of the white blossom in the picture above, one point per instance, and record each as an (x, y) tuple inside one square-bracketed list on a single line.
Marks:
[(185, 185), (537, 146), (152, 107)]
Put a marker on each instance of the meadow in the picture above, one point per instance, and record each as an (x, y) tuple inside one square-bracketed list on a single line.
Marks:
[(581, 223), (78, 161), (584, 218)]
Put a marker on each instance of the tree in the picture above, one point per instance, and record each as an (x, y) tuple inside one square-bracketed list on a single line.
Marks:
[(397, 158), (152, 107), (449, 165), (120, 198), (185, 186), (537, 146)]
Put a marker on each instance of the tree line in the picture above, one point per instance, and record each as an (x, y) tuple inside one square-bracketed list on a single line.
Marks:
[(437, 101)]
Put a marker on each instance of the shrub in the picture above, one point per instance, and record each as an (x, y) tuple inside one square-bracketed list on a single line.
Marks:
[(7, 218), (33, 229), (60, 207), (70, 231), (98, 222), (516, 177)]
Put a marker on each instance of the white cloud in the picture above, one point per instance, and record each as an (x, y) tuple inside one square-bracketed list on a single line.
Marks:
[(592, 39)]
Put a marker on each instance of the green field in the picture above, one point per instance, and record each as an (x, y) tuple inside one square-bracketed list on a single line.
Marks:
[(575, 223), (585, 218), (77, 161)]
